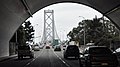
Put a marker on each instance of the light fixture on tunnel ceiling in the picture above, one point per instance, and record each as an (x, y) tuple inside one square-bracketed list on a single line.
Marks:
[(26, 7)]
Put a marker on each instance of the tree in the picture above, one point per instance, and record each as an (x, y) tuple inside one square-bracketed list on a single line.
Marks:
[(25, 33), (21, 39), (29, 31), (99, 30)]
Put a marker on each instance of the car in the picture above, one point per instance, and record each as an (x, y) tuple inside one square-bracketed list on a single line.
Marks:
[(47, 46), (25, 50), (41, 46), (99, 56), (71, 51), (36, 48), (57, 48)]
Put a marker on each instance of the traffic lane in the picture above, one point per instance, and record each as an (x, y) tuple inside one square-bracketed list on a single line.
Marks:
[(72, 62), (14, 62), (47, 59)]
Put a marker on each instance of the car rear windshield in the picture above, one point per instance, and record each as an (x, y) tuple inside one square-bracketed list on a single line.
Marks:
[(72, 47), (23, 47), (100, 51)]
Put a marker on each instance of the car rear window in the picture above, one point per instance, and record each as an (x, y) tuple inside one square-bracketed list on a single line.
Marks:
[(72, 47), (100, 51), (23, 47)]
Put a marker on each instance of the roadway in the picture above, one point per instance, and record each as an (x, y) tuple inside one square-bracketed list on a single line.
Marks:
[(43, 58)]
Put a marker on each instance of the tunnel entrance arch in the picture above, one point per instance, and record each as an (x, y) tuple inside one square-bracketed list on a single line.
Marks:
[(15, 12), (103, 7), (68, 11)]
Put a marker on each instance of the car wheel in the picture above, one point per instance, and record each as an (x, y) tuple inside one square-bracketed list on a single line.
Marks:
[(65, 57)]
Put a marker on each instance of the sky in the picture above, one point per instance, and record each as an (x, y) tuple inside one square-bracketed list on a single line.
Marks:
[(66, 16)]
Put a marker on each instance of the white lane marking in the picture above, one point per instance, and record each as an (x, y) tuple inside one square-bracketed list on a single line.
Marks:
[(61, 60), (33, 60), (29, 62)]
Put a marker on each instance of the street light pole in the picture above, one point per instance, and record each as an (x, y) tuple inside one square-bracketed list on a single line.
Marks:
[(34, 37), (84, 30)]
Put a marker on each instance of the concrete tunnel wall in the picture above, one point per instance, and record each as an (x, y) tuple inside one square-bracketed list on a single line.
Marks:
[(10, 19), (8, 25)]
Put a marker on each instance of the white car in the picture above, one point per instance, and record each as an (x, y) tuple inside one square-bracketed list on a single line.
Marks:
[(36, 48)]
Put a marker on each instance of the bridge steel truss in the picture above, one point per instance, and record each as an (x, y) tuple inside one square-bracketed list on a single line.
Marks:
[(49, 26)]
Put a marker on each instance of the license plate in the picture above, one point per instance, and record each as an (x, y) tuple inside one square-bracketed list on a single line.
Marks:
[(104, 64)]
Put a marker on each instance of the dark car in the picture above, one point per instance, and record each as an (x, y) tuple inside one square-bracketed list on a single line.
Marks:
[(57, 48), (25, 50), (71, 51), (99, 56), (47, 46)]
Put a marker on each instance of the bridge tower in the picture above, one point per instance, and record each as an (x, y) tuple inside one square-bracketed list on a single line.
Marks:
[(49, 26)]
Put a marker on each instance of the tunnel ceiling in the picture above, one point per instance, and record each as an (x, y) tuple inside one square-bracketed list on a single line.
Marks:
[(26, 8), (109, 8)]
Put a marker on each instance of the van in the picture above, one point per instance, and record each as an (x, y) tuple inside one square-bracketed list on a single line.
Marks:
[(25, 50)]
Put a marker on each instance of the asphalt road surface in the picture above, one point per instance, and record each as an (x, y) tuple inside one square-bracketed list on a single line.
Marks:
[(43, 58)]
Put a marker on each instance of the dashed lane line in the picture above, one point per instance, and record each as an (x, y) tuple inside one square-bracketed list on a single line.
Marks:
[(32, 60), (62, 60)]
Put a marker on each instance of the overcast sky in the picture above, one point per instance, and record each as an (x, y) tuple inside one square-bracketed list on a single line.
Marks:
[(66, 16)]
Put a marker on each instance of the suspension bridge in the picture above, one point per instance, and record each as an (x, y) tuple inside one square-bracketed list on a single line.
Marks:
[(50, 35)]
